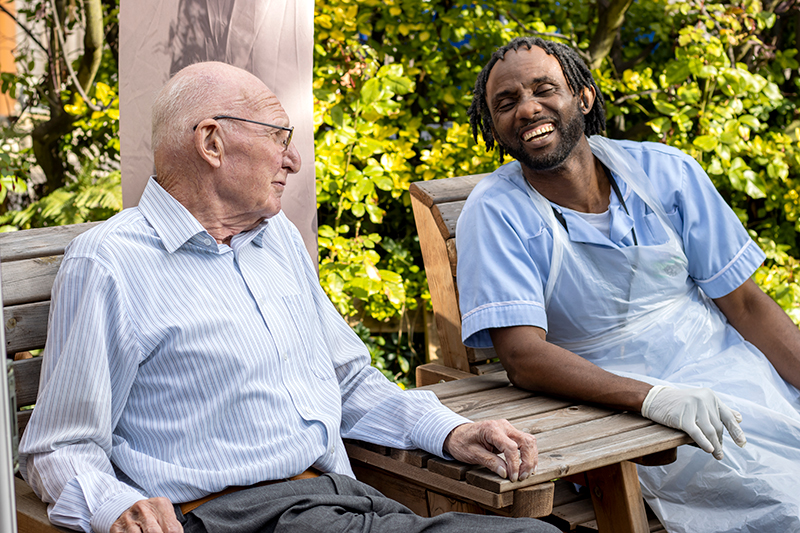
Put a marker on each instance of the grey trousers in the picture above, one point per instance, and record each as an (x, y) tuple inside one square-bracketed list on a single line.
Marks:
[(334, 503)]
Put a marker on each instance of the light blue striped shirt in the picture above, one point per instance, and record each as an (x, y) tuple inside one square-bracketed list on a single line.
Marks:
[(176, 366)]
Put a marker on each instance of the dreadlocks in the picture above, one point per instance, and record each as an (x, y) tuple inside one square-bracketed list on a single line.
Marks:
[(575, 71)]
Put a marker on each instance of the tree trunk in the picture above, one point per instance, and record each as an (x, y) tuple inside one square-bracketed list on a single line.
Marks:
[(46, 137), (610, 16)]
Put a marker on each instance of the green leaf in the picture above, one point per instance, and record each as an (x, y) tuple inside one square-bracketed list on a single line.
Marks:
[(677, 72), (750, 121), (371, 92), (707, 143), (337, 116), (665, 108)]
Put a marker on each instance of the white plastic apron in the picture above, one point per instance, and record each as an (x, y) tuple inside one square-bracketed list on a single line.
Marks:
[(640, 315)]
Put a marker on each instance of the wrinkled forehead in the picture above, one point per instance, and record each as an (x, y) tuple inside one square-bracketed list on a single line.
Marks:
[(256, 101)]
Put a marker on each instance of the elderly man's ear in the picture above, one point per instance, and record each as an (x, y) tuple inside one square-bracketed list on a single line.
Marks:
[(208, 143), (587, 99)]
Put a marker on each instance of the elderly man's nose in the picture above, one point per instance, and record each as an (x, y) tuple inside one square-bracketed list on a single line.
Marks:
[(291, 159)]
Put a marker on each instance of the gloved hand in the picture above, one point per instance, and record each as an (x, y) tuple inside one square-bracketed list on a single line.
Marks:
[(698, 412)]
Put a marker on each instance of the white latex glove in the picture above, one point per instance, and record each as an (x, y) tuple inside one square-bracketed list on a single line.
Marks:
[(698, 412)]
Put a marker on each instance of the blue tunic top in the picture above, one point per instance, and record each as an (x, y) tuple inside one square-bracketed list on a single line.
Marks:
[(509, 245)]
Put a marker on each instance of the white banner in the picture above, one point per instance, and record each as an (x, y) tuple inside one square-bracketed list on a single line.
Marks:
[(273, 39)]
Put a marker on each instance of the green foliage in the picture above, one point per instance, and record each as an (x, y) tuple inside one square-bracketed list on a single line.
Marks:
[(74, 139), (393, 79), (87, 199)]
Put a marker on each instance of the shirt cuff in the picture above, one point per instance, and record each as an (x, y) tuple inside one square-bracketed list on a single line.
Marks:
[(736, 272), (107, 514), (433, 428), (476, 323)]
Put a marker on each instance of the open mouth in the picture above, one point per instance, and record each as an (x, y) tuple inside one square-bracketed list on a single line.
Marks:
[(538, 132)]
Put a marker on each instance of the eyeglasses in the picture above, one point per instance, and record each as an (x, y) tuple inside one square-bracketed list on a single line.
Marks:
[(285, 142)]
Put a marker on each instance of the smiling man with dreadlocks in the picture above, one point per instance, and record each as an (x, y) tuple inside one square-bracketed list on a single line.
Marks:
[(613, 272)]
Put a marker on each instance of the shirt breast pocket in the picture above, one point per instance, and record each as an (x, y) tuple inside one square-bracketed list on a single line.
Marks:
[(309, 336)]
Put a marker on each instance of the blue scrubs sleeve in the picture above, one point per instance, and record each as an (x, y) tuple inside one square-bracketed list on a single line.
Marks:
[(503, 260)]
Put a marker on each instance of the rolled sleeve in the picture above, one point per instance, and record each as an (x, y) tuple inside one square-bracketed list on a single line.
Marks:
[(736, 272)]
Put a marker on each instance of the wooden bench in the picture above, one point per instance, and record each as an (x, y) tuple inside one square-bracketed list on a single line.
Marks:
[(29, 261), (437, 205)]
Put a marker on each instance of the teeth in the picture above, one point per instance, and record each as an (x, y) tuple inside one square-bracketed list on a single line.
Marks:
[(547, 128)]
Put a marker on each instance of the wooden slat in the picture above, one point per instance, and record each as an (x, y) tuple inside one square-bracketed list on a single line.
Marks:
[(440, 504), (442, 289), (590, 431), (470, 386), (23, 417), (484, 399), (550, 420), (431, 373), (26, 376), (451, 469), (569, 516), (510, 409), (444, 190), (587, 456), (39, 242), (428, 479), (418, 458), (26, 326), (29, 280), (446, 217), (452, 255)]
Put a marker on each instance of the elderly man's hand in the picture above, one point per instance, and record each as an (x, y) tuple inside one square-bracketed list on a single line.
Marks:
[(156, 515), (480, 442)]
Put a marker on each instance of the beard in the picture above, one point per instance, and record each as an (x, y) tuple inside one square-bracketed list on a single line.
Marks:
[(570, 134)]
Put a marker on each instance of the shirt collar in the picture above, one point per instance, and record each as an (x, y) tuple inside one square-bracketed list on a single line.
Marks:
[(173, 223)]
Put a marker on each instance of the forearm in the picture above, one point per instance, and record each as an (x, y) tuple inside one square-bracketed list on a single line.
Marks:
[(534, 364), (764, 324)]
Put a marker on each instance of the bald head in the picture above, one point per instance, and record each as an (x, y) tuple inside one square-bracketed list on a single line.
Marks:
[(197, 92)]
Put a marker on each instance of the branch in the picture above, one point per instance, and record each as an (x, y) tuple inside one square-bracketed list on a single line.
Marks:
[(586, 57), (635, 95), (71, 72), (610, 17), (21, 25)]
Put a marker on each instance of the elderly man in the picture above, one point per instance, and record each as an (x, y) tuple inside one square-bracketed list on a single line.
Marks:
[(613, 272), (193, 358)]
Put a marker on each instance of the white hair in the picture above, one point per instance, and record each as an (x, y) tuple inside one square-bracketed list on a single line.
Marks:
[(191, 96)]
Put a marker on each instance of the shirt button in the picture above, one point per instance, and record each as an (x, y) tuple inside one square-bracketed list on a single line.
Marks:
[(207, 242), (332, 450), (309, 412), (285, 357)]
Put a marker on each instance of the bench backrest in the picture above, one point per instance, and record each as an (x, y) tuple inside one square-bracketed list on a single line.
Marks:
[(437, 205), (29, 261)]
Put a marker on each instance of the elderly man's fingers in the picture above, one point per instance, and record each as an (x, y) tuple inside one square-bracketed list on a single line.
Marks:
[(155, 515), (522, 447), (479, 443), (529, 455)]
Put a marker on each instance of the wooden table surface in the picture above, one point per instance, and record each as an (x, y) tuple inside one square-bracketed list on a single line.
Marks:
[(572, 439)]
